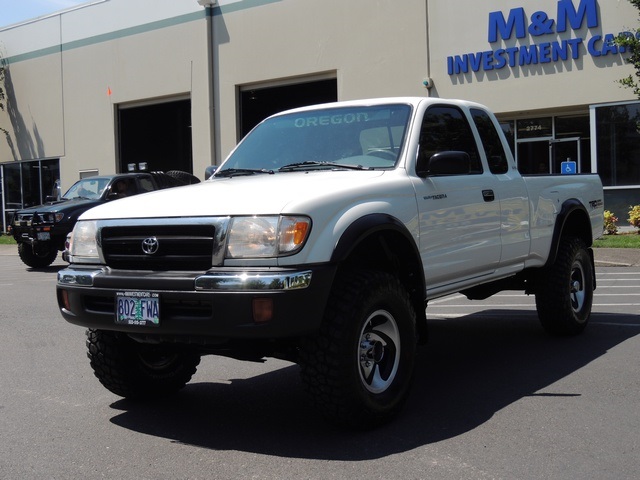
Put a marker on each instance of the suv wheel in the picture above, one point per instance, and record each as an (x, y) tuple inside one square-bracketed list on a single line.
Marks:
[(565, 296), (39, 259), (138, 370), (358, 369)]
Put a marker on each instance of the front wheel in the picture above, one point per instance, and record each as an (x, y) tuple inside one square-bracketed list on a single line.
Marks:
[(565, 293), (358, 369), (138, 370), (41, 257)]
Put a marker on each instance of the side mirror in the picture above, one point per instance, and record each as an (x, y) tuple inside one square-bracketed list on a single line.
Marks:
[(453, 162), (209, 171)]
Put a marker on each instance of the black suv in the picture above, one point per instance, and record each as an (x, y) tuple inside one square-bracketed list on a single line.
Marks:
[(41, 231)]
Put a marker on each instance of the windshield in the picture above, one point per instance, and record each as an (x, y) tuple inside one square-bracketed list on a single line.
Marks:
[(366, 137), (91, 188)]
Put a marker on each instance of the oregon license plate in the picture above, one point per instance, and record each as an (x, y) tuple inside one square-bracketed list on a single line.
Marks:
[(138, 308)]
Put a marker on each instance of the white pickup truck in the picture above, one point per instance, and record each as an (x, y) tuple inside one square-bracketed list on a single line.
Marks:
[(320, 240)]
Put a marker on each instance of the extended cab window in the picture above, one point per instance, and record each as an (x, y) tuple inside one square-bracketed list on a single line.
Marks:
[(493, 148), (445, 129)]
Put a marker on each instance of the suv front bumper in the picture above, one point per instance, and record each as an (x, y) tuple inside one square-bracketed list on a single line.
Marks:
[(226, 304)]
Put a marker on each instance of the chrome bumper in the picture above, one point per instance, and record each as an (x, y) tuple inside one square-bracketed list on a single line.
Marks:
[(246, 281)]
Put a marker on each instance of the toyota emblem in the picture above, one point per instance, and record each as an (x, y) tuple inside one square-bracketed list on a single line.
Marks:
[(150, 245)]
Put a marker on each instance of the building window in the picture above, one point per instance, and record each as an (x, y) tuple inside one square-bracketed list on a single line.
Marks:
[(618, 144), (509, 129), (26, 184)]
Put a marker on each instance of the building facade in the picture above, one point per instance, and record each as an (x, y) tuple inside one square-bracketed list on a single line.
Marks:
[(117, 85)]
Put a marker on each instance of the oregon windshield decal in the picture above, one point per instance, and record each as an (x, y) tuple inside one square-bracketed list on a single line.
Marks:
[(550, 38)]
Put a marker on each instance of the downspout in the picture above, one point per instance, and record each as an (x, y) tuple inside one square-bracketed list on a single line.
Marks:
[(209, 11)]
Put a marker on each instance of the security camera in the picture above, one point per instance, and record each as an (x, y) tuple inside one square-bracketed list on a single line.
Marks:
[(207, 3)]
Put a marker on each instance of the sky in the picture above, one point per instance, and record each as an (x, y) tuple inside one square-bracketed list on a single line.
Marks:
[(14, 11)]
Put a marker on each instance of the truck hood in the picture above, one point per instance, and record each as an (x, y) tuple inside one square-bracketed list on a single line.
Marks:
[(261, 194), (61, 206)]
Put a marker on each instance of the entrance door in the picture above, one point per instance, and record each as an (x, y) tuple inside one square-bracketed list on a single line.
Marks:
[(158, 135), (533, 157), (565, 150)]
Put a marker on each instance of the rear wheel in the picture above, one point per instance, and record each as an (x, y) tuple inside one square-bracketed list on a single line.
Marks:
[(565, 293), (42, 257), (138, 370), (358, 369)]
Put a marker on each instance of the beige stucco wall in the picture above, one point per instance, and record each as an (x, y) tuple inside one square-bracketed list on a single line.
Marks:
[(33, 88), (156, 50), (373, 47), (88, 61)]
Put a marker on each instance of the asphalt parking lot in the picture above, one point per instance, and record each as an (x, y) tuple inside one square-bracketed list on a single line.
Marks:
[(494, 397)]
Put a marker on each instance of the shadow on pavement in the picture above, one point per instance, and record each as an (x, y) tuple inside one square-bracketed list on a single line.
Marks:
[(473, 367)]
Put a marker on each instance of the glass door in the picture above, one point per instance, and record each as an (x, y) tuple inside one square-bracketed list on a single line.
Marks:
[(565, 150), (533, 157)]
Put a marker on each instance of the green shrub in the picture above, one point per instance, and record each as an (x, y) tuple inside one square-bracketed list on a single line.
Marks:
[(610, 223), (634, 217)]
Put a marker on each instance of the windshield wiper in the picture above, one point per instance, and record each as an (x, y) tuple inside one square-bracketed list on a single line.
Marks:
[(232, 172), (310, 164)]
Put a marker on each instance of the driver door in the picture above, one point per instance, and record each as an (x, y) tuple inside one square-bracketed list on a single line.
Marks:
[(459, 214)]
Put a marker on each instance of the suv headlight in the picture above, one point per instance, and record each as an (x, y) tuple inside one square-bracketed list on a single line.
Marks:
[(52, 217), (83, 244), (263, 237)]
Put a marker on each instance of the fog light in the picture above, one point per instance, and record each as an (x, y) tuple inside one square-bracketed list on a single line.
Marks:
[(262, 310)]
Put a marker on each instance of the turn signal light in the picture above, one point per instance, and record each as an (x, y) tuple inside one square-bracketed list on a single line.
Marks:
[(262, 310), (64, 299)]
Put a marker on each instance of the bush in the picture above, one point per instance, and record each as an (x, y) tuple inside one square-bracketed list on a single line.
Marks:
[(634, 217), (610, 223)]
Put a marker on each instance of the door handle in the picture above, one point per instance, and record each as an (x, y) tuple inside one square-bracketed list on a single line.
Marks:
[(488, 195)]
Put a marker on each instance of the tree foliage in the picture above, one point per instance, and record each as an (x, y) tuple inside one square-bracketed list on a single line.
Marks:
[(2, 94), (631, 43), (2, 97)]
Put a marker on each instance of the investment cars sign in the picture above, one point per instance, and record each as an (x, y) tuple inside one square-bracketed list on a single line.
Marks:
[(519, 40)]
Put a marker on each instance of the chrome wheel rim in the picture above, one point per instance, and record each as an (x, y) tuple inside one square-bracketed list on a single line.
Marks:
[(578, 293), (379, 351)]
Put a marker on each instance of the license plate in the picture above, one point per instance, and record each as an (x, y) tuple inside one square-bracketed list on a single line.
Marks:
[(44, 236), (138, 308)]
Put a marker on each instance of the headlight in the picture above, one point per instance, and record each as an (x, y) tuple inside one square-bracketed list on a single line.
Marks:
[(262, 237), (52, 217), (83, 244)]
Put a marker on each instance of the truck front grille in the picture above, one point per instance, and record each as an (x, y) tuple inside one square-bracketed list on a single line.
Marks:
[(160, 246), (23, 219)]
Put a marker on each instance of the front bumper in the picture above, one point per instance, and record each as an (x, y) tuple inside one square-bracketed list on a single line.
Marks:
[(203, 307), (39, 234)]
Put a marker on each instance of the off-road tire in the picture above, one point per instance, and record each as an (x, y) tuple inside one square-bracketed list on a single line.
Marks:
[(36, 259), (564, 294), (359, 368), (136, 370)]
